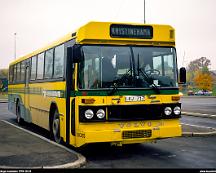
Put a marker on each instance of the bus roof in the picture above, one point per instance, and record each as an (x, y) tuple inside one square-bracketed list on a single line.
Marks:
[(100, 33)]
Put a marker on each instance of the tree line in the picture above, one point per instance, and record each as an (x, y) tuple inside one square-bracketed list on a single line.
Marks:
[(3, 79), (3, 73)]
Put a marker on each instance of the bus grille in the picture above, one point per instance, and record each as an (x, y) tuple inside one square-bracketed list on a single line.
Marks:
[(139, 112), (136, 134), (134, 112)]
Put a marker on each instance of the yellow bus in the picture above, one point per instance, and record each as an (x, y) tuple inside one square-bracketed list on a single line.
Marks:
[(106, 82)]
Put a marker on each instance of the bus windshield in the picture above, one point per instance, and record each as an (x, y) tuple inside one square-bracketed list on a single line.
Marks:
[(127, 67)]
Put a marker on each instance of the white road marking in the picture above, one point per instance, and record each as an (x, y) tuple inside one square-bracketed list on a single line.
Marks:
[(193, 125)]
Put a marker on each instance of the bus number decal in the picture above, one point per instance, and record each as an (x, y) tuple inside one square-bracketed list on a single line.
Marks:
[(81, 135)]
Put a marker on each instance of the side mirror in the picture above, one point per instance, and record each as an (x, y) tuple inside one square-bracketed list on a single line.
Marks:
[(182, 75), (74, 53)]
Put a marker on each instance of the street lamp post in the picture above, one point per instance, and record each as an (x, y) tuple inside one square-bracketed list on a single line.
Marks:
[(144, 12), (15, 45)]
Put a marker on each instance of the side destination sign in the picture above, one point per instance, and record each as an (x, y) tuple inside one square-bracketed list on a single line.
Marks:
[(131, 31)]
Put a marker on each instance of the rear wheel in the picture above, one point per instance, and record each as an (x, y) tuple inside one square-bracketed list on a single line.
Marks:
[(56, 127), (18, 113)]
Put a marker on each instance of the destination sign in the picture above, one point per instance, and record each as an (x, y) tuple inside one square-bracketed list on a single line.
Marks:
[(131, 31)]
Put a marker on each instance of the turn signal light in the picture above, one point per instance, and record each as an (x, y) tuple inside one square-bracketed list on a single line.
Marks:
[(175, 98), (88, 101)]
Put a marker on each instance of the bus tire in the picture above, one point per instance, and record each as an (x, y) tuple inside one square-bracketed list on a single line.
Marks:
[(18, 113), (55, 127)]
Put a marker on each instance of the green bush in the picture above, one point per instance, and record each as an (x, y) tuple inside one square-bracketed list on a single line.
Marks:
[(3, 95), (214, 90)]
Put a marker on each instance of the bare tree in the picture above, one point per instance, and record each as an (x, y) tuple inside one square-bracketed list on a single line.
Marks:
[(199, 64)]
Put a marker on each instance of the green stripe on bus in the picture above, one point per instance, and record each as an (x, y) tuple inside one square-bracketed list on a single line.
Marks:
[(62, 93), (123, 92), (38, 91)]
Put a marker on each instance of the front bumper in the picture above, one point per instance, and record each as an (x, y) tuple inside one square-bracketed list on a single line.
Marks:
[(128, 132)]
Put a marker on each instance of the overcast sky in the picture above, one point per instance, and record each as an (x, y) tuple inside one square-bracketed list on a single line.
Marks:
[(39, 22)]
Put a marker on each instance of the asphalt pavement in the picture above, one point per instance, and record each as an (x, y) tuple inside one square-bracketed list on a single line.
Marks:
[(204, 106)]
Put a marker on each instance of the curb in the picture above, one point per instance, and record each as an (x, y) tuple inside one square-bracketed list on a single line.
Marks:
[(198, 96), (3, 101), (199, 115), (192, 134), (199, 134), (78, 163)]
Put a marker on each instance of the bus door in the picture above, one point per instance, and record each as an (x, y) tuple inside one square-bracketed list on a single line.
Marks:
[(27, 92)]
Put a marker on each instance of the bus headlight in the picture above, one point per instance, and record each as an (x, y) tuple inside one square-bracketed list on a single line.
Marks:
[(167, 111), (100, 113), (89, 114), (177, 110)]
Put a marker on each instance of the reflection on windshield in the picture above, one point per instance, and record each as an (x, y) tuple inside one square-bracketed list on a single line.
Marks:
[(106, 66)]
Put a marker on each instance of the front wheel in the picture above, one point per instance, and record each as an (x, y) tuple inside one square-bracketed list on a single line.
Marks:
[(56, 127)]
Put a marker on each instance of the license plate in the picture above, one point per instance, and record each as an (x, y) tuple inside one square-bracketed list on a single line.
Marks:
[(134, 98)]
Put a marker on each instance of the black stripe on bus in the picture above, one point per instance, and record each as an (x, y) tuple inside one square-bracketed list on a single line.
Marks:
[(68, 88), (73, 129), (69, 83)]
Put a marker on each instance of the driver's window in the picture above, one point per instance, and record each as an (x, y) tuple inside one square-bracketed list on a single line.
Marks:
[(168, 66), (91, 73), (157, 63)]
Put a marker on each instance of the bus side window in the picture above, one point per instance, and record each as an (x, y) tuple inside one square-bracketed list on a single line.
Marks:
[(59, 61), (14, 79), (22, 71), (18, 72), (48, 71), (40, 66), (33, 67)]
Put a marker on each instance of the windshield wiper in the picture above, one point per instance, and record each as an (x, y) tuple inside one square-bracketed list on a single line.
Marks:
[(116, 82), (148, 79), (114, 89)]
